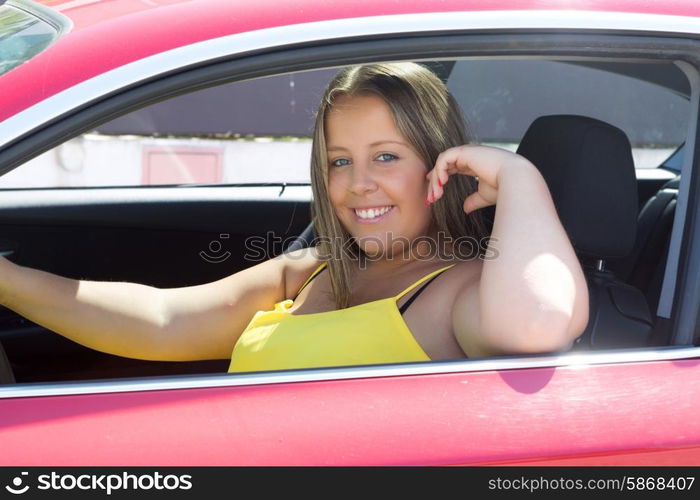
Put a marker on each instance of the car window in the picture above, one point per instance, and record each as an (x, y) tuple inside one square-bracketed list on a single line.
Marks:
[(213, 136), (648, 101), (23, 34), (259, 131), (675, 161)]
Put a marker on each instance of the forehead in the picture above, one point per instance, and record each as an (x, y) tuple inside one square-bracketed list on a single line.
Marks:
[(357, 103), (363, 114)]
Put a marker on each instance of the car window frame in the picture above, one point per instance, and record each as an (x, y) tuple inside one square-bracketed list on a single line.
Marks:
[(335, 54)]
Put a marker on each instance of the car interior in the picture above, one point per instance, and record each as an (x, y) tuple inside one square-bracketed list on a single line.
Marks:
[(618, 216)]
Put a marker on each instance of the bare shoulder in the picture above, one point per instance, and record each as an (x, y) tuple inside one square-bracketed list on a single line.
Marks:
[(462, 275), (449, 288), (298, 266)]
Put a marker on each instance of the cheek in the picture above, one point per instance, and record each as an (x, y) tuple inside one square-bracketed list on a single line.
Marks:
[(336, 193), (416, 185)]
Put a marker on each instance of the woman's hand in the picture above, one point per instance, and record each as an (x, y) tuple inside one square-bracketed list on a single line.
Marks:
[(487, 164)]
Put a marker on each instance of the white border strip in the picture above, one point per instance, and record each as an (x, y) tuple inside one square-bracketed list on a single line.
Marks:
[(579, 361), (279, 37), (668, 285)]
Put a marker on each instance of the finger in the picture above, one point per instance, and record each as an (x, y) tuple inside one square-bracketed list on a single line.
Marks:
[(455, 161), (437, 189), (438, 176), (437, 183), (474, 202)]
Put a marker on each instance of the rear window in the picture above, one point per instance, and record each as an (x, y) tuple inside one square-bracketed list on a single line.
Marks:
[(25, 30), (648, 100)]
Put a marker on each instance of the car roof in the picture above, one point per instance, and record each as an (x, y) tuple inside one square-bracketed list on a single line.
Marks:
[(85, 13), (108, 34)]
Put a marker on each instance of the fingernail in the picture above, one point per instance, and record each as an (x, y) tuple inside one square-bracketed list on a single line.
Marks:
[(439, 182)]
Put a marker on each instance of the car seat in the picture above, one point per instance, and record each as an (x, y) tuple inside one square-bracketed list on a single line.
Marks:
[(644, 267), (588, 167), (304, 240), (6, 376)]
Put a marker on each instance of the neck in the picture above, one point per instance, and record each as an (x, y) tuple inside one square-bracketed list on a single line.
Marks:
[(420, 252)]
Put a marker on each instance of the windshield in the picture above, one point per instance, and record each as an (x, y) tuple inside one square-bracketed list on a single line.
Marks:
[(22, 36)]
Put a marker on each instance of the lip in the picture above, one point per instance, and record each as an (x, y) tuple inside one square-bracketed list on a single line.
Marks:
[(372, 206), (360, 220)]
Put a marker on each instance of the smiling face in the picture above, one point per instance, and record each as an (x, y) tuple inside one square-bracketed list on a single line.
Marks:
[(376, 181)]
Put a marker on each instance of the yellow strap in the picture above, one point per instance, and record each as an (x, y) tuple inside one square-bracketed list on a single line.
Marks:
[(424, 278), (318, 270)]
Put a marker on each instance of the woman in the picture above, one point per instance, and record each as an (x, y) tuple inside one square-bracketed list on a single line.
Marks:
[(394, 178)]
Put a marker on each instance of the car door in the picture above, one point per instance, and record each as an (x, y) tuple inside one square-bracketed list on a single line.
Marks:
[(73, 406)]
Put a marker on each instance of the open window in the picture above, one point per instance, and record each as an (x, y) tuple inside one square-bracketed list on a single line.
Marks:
[(166, 192)]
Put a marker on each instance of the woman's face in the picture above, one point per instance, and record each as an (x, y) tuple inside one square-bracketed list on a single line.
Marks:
[(377, 183)]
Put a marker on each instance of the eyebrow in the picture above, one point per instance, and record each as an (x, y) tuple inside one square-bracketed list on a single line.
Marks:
[(332, 148)]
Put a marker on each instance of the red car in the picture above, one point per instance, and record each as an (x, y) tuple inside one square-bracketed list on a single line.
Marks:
[(166, 143)]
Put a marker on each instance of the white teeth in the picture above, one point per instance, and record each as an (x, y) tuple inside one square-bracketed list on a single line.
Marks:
[(372, 212)]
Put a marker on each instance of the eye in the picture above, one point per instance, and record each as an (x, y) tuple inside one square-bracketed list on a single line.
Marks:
[(339, 162), (386, 157)]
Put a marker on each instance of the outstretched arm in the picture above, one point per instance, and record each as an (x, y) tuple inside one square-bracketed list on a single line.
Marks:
[(139, 321)]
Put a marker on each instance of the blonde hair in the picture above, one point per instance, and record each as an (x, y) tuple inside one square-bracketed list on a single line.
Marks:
[(429, 118)]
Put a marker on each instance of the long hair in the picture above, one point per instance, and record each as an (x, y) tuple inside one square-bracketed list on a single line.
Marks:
[(430, 120)]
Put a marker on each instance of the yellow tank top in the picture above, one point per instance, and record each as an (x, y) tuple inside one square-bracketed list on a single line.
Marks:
[(370, 333)]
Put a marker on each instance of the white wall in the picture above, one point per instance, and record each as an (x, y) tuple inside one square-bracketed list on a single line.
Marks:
[(98, 160)]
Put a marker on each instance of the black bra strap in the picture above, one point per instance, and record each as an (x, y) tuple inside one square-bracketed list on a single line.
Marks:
[(402, 309), (413, 297)]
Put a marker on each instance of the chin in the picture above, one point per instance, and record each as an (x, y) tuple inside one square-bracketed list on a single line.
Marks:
[(377, 248), (371, 246)]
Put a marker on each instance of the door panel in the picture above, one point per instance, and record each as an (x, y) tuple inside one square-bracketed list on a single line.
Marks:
[(617, 413)]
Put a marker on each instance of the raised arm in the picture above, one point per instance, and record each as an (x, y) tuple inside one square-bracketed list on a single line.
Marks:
[(139, 321), (532, 295)]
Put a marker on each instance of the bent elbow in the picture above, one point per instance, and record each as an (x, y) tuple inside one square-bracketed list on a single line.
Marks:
[(556, 330), (547, 333), (552, 333)]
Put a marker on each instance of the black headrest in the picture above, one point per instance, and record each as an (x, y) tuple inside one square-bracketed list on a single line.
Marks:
[(589, 170)]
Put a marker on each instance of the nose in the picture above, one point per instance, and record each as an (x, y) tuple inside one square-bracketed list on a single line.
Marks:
[(361, 181)]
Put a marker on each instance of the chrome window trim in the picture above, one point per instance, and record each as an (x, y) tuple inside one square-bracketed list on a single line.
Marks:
[(577, 361), (127, 195), (339, 29)]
